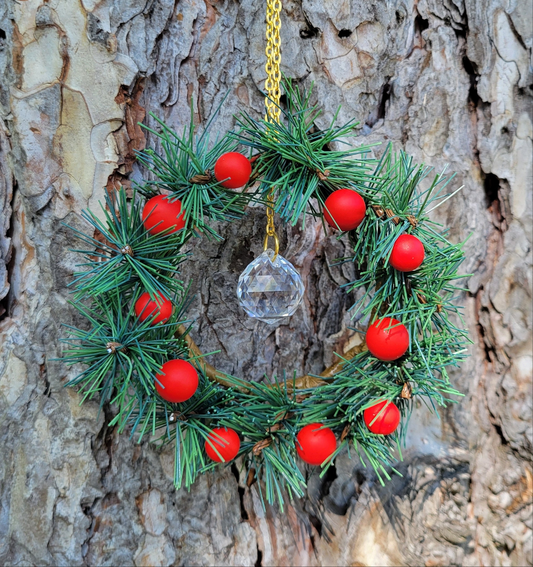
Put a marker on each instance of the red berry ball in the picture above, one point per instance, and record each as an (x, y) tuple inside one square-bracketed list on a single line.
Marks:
[(177, 381), (407, 253), (227, 443), (146, 308), (233, 170), (344, 209), (160, 214), (315, 445), (387, 343), (388, 420)]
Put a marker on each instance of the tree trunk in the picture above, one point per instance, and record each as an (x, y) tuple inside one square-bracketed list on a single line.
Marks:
[(447, 81)]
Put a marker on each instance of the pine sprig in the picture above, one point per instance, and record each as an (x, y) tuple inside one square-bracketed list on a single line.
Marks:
[(267, 414), (183, 168), (423, 300), (295, 156), (123, 254), (185, 425), (119, 350)]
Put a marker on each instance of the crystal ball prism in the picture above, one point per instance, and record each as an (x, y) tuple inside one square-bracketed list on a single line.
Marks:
[(270, 289)]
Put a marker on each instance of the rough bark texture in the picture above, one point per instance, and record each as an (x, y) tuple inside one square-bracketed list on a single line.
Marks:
[(447, 80)]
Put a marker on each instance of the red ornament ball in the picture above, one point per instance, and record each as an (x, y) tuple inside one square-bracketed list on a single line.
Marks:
[(387, 422), (233, 170), (177, 381), (315, 445), (407, 253), (387, 343), (227, 443), (160, 214), (344, 209), (146, 308)]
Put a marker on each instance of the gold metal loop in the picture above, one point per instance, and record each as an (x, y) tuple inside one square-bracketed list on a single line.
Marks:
[(276, 244), (270, 227)]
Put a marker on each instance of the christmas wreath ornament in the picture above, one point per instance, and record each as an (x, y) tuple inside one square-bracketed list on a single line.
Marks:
[(233, 170), (161, 215), (156, 310), (124, 265), (222, 445)]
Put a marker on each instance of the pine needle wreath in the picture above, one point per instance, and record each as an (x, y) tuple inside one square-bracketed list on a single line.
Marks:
[(123, 354)]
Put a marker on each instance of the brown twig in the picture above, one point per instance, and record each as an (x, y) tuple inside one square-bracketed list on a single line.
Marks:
[(260, 445), (264, 443), (322, 175), (380, 212), (302, 383), (421, 298), (390, 214), (176, 415), (201, 179), (250, 478), (335, 368), (412, 220), (210, 371), (345, 432)]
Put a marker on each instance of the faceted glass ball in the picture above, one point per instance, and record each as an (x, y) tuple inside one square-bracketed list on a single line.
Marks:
[(270, 290)]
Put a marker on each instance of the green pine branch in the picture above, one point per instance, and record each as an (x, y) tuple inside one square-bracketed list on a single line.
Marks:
[(183, 168), (118, 350), (295, 157), (122, 254)]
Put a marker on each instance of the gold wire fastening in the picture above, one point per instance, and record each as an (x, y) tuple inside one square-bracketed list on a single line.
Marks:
[(272, 87), (270, 228)]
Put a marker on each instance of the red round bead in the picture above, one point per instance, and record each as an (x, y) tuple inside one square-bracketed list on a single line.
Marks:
[(407, 253), (344, 209), (387, 343), (177, 381), (225, 441), (146, 308), (388, 420), (233, 170), (315, 445), (159, 214)]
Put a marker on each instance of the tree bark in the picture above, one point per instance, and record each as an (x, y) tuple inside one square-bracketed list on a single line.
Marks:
[(449, 82)]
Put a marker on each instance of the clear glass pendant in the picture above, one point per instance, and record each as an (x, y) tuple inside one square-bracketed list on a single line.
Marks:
[(270, 289)]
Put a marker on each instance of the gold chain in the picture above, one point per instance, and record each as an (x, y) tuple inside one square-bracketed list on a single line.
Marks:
[(272, 87), (272, 84)]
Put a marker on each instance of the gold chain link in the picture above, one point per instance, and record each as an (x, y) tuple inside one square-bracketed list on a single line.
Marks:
[(272, 87), (273, 54)]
